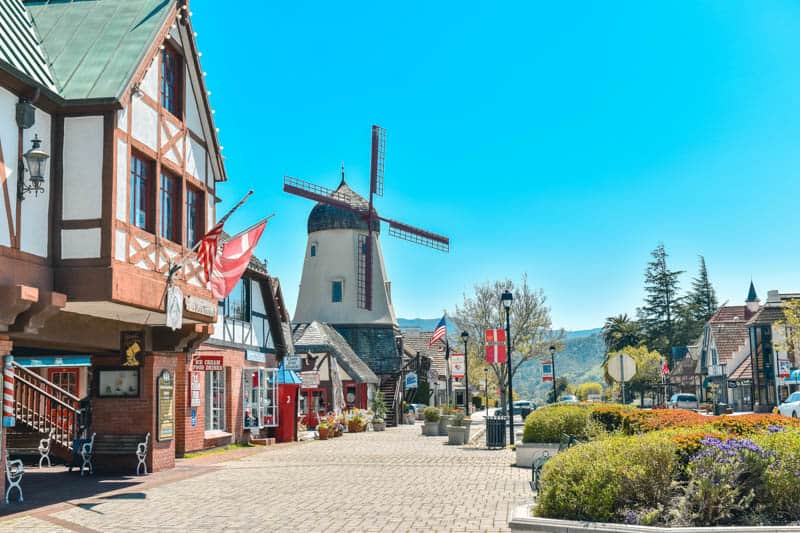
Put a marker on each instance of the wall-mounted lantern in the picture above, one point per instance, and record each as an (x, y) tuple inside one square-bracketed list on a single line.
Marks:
[(36, 159)]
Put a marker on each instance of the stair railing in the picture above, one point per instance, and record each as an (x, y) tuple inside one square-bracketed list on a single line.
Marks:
[(44, 406)]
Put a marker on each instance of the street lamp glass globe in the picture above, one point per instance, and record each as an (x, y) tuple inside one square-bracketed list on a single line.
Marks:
[(552, 349), (464, 336), (507, 298)]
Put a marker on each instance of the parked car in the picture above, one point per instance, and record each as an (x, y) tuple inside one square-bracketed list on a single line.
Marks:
[(683, 401), (791, 406), (568, 398), (521, 407), (417, 409)]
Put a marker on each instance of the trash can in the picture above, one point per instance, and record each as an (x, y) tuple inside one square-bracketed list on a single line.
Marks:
[(720, 408), (495, 431)]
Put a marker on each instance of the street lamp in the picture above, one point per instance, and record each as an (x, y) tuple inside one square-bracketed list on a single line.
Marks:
[(465, 337), (486, 389), (553, 363), (507, 298), (36, 158)]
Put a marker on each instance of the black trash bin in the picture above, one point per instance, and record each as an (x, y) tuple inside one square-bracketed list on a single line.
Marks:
[(496, 431), (720, 409)]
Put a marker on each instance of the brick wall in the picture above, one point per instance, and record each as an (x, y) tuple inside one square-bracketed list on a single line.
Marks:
[(119, 416)]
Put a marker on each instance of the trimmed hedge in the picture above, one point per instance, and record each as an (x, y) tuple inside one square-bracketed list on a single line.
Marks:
[(549, 423)]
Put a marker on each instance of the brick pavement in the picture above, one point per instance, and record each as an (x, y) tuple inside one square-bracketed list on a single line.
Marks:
[(390, 481)]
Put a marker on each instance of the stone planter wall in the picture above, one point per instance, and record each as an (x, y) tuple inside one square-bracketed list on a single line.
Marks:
[(457, 435), (444, 421), (527, 451), (430, 429)]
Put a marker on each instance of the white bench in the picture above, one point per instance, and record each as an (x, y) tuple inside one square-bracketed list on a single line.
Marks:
[(14, 472)]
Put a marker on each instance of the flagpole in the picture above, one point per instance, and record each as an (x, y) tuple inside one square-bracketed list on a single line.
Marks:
[(227, 215), (265, 219)]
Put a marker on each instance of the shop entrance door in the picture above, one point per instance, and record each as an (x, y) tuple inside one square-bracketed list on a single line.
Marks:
[(67, 379)]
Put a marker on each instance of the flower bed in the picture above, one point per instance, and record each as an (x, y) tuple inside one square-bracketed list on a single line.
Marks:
[(671, 468)]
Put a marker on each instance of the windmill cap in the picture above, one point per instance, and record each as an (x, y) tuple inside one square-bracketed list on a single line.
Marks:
[(324, 216)]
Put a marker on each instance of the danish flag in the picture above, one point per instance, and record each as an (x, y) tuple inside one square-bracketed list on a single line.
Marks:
[(231, 262), (495, 345)]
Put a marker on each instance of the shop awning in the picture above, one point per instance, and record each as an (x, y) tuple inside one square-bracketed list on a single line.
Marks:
[(288, 377), (44, 361), (793, 379)]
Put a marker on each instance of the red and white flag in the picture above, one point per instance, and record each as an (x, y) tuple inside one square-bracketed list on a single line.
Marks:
[(664, 369), (231, 262), (495, 345), (207, 249)]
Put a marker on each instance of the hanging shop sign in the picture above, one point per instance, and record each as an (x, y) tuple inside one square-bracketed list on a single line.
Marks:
[(433, 375), (194, 400), (208, 363), (131, 344), (165, 389), (495, 345), (732, 385), (174, 308), (201, 306), (457, 365), (310, 379), (412, 381), (255, 356), (293, 362)]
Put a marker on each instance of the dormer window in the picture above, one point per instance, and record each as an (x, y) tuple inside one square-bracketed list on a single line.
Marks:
[(171, 81)]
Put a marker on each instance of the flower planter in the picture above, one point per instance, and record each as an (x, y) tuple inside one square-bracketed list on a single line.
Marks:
[(409, 418), (527, 451), (444, 421), (457, 435), (430, 429), (378, 426), (323, 433)]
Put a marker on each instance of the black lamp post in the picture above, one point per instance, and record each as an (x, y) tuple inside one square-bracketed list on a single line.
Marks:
[(448, 392), (465, 337), (486, 388), (553, 363), (507, 298)]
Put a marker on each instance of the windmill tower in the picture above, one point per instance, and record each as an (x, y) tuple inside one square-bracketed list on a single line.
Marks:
[(344, 280)]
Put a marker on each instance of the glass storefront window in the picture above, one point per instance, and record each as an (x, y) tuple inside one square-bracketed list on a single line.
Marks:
[(215, 400), (259, 397)]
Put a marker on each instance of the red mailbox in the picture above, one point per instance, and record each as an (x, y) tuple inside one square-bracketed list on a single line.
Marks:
[(287, 417)]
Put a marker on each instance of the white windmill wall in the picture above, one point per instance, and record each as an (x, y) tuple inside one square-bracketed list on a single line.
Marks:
[(336, 257)]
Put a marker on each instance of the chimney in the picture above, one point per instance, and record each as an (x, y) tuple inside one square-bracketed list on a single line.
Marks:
[(773, 297)]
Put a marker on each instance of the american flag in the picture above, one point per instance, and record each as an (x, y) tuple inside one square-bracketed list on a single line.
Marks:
[(207, 249), (439, 332)]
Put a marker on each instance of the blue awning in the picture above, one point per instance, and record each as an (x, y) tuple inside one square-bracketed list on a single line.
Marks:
[(794, 378), (288, 377), (53, 361)]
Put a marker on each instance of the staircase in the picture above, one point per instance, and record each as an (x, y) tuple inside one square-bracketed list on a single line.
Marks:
[(42, 406), (390, 386)]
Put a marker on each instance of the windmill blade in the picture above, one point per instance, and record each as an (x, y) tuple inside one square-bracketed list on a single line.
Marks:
[(377, 161), (318, 193), (417, 235), (364, 272)]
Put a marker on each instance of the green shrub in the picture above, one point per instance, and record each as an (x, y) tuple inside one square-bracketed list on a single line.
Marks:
[(611, 416), (457, 420), (598, 481), (431, 414), (549, 423), (782, 483)]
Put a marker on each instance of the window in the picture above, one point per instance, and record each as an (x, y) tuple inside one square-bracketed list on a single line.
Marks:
[(194, 216), (336, 291), (170, 207), (215, 400), (238, 302), (260, 388), (141, 182), (171, 77), (313, 250)]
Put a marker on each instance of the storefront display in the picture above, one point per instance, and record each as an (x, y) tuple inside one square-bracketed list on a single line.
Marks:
[(118, 383), (259, 397)]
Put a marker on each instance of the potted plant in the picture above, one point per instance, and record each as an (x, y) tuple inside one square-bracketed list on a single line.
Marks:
[(457, 432), (378, 424), (379, 408), (323, 429), (444, 421), (431, 417)]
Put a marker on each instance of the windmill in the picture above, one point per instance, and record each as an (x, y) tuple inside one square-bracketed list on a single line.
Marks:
[(366, 211)]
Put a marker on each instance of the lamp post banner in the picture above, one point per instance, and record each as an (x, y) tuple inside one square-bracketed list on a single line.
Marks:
[(547, 371), (495, 345), (457, 365)]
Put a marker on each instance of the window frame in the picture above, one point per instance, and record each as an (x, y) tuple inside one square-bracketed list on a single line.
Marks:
[(195, 214), (247, 304), (215, 378), (333, 291), (175, 223), (176, 85), (136, 193)]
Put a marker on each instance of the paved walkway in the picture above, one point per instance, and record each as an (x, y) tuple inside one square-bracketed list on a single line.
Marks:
[(396, 480)]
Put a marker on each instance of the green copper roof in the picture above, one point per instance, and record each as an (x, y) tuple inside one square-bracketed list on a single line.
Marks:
[(94, 46), (19, 43), (751, 295)]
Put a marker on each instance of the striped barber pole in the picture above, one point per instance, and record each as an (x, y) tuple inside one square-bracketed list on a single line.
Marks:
[(8, 394)]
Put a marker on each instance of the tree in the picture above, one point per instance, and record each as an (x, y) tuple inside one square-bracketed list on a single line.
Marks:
[(562, 386), (648, 369), (790, 341), (531, 327), (585, 389), (658, 314), (696, 308), (620, 332)]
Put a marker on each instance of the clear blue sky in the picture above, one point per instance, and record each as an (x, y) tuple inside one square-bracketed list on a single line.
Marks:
[(565, 140)]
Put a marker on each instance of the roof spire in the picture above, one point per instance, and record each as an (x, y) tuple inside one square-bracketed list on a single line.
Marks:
[(751, 294), (342, 182)]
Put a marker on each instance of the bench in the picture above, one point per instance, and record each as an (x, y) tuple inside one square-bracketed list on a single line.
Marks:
[(30, 444), (116, 445), (566, 442), (14, 472)]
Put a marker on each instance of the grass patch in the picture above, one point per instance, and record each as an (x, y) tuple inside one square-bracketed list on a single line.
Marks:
[(214, 451)]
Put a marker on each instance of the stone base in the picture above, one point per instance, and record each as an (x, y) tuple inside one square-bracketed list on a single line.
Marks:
[(527, 451)]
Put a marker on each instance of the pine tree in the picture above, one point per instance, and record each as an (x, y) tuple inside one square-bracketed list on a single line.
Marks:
[(702, 298), (659, 313)]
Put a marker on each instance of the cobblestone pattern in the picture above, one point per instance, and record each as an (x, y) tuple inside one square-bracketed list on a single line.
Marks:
[(396, 480)]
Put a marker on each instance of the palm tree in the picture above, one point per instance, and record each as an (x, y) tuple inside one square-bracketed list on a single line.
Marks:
[(620, 332)]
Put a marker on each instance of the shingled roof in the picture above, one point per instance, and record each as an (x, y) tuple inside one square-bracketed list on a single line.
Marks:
[(414, 341), (729, 328), (744, 370), (320, 337)]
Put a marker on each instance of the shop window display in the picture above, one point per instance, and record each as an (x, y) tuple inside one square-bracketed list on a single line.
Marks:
[(259, 395)]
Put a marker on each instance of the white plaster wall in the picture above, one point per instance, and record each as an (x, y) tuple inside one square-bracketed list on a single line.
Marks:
[(210, 212), (144, 127), (196, 160), (122, 119), (80, 243), (336, 259), (149, 84), (35, 209), (120, 245), (83, 167), (8, 140), (192, 109), (122, 181)]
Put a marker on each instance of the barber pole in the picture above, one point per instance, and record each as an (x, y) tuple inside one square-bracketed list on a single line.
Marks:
[(8, 394)]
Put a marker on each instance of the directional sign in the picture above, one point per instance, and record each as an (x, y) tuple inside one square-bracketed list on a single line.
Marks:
[(622, 368)]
